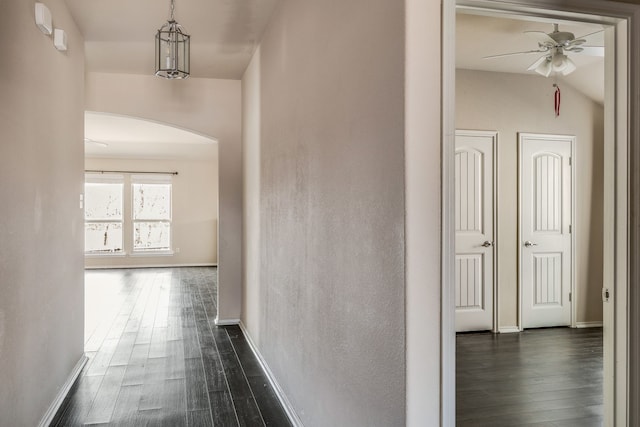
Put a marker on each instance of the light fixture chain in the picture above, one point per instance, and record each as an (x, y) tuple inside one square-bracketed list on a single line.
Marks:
[(172, 8)]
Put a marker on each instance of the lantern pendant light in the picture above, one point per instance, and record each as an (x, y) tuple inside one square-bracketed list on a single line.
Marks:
[(172, 50)]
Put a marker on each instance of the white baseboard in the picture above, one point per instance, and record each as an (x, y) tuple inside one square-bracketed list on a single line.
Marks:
[(47, 419), (227, 322), (107, 267), (282, 397), (508, 329), (588, 325)]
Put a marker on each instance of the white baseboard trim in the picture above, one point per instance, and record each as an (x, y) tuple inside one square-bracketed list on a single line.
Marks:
[(282, 397), (588, 325), (508, 329), (227, 322), (107, 267), (47, 419)]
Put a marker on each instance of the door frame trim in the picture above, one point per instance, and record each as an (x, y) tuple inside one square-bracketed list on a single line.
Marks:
[(494, 238), (572, 140), (622, 237)]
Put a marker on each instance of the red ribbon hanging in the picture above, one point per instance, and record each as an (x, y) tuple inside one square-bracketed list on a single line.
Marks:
[(556, 100)]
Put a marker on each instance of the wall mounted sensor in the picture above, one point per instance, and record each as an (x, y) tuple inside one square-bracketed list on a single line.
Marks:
[(60, 39), (43, 18)]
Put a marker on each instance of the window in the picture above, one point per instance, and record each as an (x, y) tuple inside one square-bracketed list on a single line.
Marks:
[(127, 214), (103, 214), (151, 212)]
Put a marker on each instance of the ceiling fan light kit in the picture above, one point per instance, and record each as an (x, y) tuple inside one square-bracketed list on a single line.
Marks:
[(554, 46), (172, 50), (557, 62)]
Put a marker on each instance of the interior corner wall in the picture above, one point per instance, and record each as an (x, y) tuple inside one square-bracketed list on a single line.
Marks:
[(512, 103), (194, 213), (427, 396), (329, 82), (251, 200), (211, 107), (41, 230)]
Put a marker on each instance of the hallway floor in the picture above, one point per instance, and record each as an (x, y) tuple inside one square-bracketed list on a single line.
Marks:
[(540, 377), (156, 358)]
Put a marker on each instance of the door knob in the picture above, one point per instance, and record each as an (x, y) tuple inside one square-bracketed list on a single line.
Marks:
[(528, 244), (487, 244)]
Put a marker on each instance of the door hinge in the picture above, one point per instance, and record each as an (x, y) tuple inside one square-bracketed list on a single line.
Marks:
[(569, 161), (605, 295), (569, 228), (569, 296)]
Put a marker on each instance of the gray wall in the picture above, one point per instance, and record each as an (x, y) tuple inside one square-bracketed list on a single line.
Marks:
[(41, 226), (326, 126), (251, 296), (512, 103)]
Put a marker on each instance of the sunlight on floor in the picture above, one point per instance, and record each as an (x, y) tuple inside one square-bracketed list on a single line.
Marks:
[(104, 297)]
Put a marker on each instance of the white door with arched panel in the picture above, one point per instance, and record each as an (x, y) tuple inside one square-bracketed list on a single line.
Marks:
[(474, 224), (545, 229)]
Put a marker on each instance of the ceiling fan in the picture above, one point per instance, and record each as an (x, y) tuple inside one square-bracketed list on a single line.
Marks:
[(90, 141), (554, 46)]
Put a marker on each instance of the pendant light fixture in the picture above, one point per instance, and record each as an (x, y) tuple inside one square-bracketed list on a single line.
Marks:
[(172, 50)]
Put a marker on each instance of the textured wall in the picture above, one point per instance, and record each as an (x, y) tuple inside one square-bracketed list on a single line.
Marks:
[(194, 213), (209, 106), (41, 226), (251, 193), (512, 103), (330, 84)]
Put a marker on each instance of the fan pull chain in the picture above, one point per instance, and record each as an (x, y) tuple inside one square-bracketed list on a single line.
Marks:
[(556, 99)]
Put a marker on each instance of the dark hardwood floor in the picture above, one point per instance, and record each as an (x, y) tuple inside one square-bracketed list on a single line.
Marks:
[(158, 359), (540, 377)]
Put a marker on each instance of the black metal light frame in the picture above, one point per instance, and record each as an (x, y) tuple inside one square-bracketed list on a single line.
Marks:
[(172, 50)]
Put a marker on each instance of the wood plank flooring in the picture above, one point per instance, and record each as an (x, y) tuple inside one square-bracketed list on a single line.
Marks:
[(158, 359), (540, 377)]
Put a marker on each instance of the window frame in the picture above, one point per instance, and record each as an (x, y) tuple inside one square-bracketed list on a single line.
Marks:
[(106, 178), (151, 179)]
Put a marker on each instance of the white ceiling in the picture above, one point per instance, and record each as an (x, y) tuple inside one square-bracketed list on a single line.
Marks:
[(478, 36), (119, 38), (116, 136), (119, 34)]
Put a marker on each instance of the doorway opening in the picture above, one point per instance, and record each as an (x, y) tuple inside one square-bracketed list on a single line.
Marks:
[(613, 220), (150, 201)]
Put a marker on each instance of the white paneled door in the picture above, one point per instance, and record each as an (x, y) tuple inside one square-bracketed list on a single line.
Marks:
[(545, 229), (474, 224)]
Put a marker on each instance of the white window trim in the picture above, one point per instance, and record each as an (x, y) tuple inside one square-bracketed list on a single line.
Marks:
[(152, 179), (128, 179), (106, 178)]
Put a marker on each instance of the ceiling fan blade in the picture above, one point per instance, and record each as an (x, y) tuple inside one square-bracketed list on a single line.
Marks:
[(98, 143), (541, 37), (590, 34), (574, 49), (569, 68), (589, 50), (537, 63), (502, 55)]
